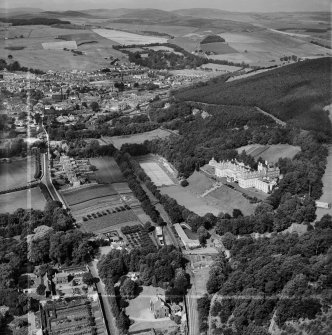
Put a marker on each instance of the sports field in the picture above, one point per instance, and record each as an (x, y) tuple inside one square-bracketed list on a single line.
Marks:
[(17, 173), (156, 173), (118, 141), (25, 199), (270, 153), (108, 170)]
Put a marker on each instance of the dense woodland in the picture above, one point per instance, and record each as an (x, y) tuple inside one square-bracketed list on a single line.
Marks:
[(212, 39), (162, 59), (288, 275), (295, 93)]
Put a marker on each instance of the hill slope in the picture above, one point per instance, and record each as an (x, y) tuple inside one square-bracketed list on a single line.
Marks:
[(295, 93)]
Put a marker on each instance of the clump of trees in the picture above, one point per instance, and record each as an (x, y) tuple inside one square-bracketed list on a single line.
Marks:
[(212, 39), (15, 66)]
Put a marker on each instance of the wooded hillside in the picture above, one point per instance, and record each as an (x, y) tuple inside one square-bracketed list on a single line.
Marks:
[(295, 93)]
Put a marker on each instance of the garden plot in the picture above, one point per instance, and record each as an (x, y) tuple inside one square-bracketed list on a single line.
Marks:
[(86, 193), (109, 221), (156, 173)]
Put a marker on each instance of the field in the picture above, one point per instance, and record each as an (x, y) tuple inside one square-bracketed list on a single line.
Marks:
[(25, 199), (186, 43), (59, 45), (139, 311), (86, 193), (118, 141), (107, 170), (16, 174), (95, 205), (125, 38), (270, 153), (218, 48), (173, 30), (33, 55), (156, 173)]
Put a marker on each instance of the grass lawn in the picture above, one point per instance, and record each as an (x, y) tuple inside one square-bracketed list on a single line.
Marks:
[(192, 202), (227, 199), (108, 170), (25, 199)]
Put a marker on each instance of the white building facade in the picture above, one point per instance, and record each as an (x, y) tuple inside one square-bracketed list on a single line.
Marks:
[(264, 179)]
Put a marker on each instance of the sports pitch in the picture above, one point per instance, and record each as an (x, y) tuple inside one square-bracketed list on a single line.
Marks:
[(157, 174)]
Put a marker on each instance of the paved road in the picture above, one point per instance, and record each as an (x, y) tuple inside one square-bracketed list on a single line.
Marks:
[(110, 320), (47, 181)]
